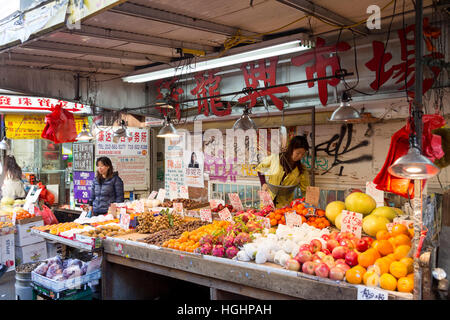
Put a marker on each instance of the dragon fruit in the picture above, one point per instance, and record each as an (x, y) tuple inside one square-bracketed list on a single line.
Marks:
[(232, 252), (219, 239), (253, 227), (206, 239), (241, 239), (218, 251), (206, 248), (228, 241)]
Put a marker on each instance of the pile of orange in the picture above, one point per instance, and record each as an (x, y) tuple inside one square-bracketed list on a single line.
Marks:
[(22, 214), (388, 263), (189, 241), (318, 221), (60, 227), (277, 217)]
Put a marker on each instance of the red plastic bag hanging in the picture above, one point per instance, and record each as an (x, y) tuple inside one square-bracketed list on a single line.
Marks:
[(431, 146), (47, 215), (59, 126)]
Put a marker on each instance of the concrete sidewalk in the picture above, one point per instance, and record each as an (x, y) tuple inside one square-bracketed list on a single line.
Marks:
[(7, 290)]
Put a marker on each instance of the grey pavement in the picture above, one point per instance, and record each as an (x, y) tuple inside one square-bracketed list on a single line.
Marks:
[(7, 290)]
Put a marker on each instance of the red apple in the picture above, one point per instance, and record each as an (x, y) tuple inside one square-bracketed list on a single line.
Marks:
[(347, 243), (304, 256), (362, 245), (316, 245), (325, 237), (343, 266), (337, 273), (339, 252), (322, 270), (334, 234), (340, 261), (351, 258), (305, 247), (331, 244), (326, 251), (293, 265), (320, 254), (329, 261), (369, 240), (308, 267)]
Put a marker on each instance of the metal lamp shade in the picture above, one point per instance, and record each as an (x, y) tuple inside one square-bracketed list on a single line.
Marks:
[(84, 135), (244, 123), (4, 144), (168, 131), (413, 165), (344, 113)]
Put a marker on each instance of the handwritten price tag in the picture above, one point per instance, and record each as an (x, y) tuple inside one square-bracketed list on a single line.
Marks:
[(205, 215), (312, 195), (372, 191), (225, 215), (153, 195), (178, 207), (235, 201), (173, 190), (265, 198), (139, 208), (214, 203), (368, 293), (161, 195), (184, 193), (293, 219), (352, 222), (124, 220)]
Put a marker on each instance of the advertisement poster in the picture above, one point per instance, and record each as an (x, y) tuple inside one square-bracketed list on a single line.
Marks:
[(129, 156), (193, 169), (82, 184), (83, 156), (174, 156)]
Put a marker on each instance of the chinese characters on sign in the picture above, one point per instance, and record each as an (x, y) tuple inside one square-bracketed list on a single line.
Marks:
[(83, 156), (13, 103), (225, 215), (193, 169), (174, 157), (82, 184), (205, 215), (293, 219), (352, 222), (368, 293), (235, 201)]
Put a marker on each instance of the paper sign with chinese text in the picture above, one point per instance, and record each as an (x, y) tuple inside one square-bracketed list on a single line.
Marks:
[(235, 201), (293, 219), (265, 198), (173, 190), (225, 215), (153, 195), (214, 203), (139, 208), (312, 195), (124, 219), (205, 215), (352, 222), (161, 195), (184, 193), (178, 207), (370, 293), (377, 195)]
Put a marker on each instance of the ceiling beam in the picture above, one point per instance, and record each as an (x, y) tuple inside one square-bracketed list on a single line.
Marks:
[(315, 10), (108, 34), (76, 63), (144, 12), (94, 51)]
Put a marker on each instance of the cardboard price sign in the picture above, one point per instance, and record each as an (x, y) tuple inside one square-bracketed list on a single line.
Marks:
[(205, 215), (139, 208), (161, 195), (153, 195), (372, 191), (265, 198), (173, 190), (225, 215), (178, 207), (352, 222), (293, 219), (184, 193), (235, 201), (214, 203), (312, 195), (124, 220), (369, 293)]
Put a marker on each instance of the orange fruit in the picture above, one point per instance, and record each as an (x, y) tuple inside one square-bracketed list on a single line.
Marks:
[(360, 269), (375, 253), (374, 244), (382, 265), (411, 276), (382, 235), (399, 229), (391, 257), (405, 284), (354, 276), (409, 263), (388, 282), (367, 275), (373, 280), (392, 241), (401, 252), (398, 269), (402, 239), (366, 259), (385, 247), (411, 232)]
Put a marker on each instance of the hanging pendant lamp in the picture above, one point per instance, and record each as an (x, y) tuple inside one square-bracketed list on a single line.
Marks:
[(244, 122), (4, 144), (345, 112), (168, 130), (84, 135)]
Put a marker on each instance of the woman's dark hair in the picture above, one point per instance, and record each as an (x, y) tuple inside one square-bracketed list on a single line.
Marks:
[(12, 169), (106, 162), (192, 156), (286, 162)]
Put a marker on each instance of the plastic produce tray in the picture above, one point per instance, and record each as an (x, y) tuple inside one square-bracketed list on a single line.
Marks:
[(58, 286)]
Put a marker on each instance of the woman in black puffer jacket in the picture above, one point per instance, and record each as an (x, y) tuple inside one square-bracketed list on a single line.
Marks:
[(107, 188)]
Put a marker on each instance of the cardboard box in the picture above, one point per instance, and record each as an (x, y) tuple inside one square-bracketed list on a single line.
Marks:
[(54, 248), (7, 251), (23, 235), (31, 253)]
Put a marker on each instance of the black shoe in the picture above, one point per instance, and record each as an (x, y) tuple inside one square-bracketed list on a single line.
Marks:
[(3, 269)]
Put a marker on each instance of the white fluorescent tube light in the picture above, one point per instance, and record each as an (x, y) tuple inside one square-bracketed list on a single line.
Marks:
[(276, 50)]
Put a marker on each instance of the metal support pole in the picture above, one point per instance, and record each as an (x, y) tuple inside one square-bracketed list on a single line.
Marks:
[(313, 147)]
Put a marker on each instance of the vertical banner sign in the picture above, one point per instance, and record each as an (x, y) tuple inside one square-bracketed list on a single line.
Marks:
[(205, 215), (124, 220), (82, 185), (83, 156), (372, 191), (225, 215), (161, 195), (153, 195), (173, 190), (235, 201), (174, 155), (312, 195), (266, 199), (293, 219), (352, 222), (184, 193), (193, 169)]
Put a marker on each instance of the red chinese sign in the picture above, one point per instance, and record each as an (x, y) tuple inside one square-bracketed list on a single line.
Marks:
[(37, 105), (404, 72), (322, 58), (174, 95), (256, 72)]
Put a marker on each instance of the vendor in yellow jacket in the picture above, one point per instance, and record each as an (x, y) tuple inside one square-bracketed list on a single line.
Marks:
[(285, 169)]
